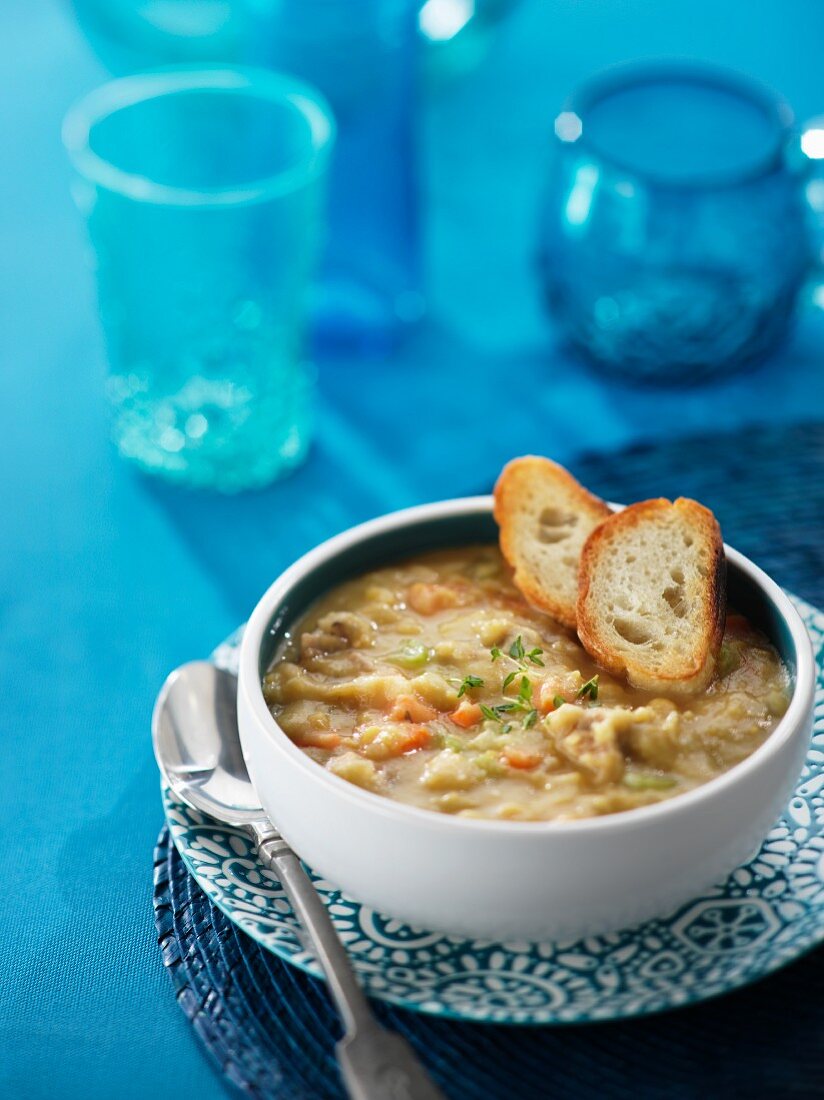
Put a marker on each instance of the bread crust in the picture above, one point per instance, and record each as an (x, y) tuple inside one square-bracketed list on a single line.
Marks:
[(685, 678), (507, 505)]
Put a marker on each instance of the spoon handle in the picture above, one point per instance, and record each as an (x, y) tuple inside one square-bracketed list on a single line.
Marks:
[(375, 1064)]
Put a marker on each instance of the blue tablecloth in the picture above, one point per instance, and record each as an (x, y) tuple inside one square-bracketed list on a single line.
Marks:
[(107, 580)]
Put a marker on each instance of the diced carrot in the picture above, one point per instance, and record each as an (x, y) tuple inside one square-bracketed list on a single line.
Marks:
[(549, 697), (520, 758), (410, 708), (317, 739), (737, 625), (426, 599), (416, 737), (390, 741), (737, 620), (546, 695), (467, 714)]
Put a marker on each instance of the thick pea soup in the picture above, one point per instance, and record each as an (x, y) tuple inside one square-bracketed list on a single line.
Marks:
[(433, 682)]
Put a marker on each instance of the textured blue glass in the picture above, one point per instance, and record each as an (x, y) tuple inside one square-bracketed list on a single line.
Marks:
[(674, 239), (202, 191), (363, 56)]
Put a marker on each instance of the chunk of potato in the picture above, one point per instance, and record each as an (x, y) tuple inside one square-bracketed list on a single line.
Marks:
[(427, 599), (453, 653), (385, 616), (454, 801), (434, 689), (451, 771), (386, 742), (335, 631), (654, 740), (588, 738), (271, 688), (375, 691), (489, 738), (295, 717), (777, 702), (492, 630), (356, 770), (379, 594)]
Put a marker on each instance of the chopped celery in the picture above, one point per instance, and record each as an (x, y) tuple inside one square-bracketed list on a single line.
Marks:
[(413, 655), (640, 781), (729, 658)]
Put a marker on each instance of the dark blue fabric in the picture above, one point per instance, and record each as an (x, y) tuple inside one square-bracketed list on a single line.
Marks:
[(108, 581)]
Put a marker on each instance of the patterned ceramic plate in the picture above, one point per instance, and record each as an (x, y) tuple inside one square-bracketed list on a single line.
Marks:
[(768, 912)]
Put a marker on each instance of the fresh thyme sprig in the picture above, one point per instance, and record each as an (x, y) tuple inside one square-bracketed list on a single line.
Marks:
[(523, 658), (468, 683), (521, 705), (590, 688)]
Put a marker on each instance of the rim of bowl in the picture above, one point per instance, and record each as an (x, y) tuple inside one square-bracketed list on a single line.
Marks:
[(128, 91), (634, 74), (259, 622)]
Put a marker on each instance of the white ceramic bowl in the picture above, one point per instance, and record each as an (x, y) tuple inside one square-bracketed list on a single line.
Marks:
[(510, 880)]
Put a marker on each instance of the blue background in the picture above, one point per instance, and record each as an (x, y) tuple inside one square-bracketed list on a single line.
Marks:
[(107, 580)]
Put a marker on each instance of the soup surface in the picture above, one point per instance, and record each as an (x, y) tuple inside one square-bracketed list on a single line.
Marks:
[(433, 682)]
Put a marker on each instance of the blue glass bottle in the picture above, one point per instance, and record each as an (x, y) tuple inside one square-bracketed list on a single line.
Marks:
[(363, 57)]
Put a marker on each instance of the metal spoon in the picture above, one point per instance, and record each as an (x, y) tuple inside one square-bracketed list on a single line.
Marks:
[(197, 747)]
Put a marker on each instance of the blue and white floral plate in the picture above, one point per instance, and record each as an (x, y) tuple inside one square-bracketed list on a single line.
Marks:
[(768, 912)]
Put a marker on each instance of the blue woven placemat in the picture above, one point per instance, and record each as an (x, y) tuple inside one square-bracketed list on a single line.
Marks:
[(765, 485), (269, 1028)]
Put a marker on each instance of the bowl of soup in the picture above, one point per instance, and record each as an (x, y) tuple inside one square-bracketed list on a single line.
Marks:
[(451, 756)]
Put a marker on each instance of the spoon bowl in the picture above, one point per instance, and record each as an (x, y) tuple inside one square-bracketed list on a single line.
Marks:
[(197, 745)]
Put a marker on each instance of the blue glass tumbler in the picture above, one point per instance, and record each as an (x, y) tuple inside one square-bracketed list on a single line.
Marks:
[(363, 56), (130, 36), (674, 238), (203, 192)]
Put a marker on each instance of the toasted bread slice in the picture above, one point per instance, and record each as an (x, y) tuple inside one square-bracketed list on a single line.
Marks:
[(544, 517), (652, 595)]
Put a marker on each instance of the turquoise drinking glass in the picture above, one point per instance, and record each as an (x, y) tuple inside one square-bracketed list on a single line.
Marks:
[(203, 190), (363, 57)]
